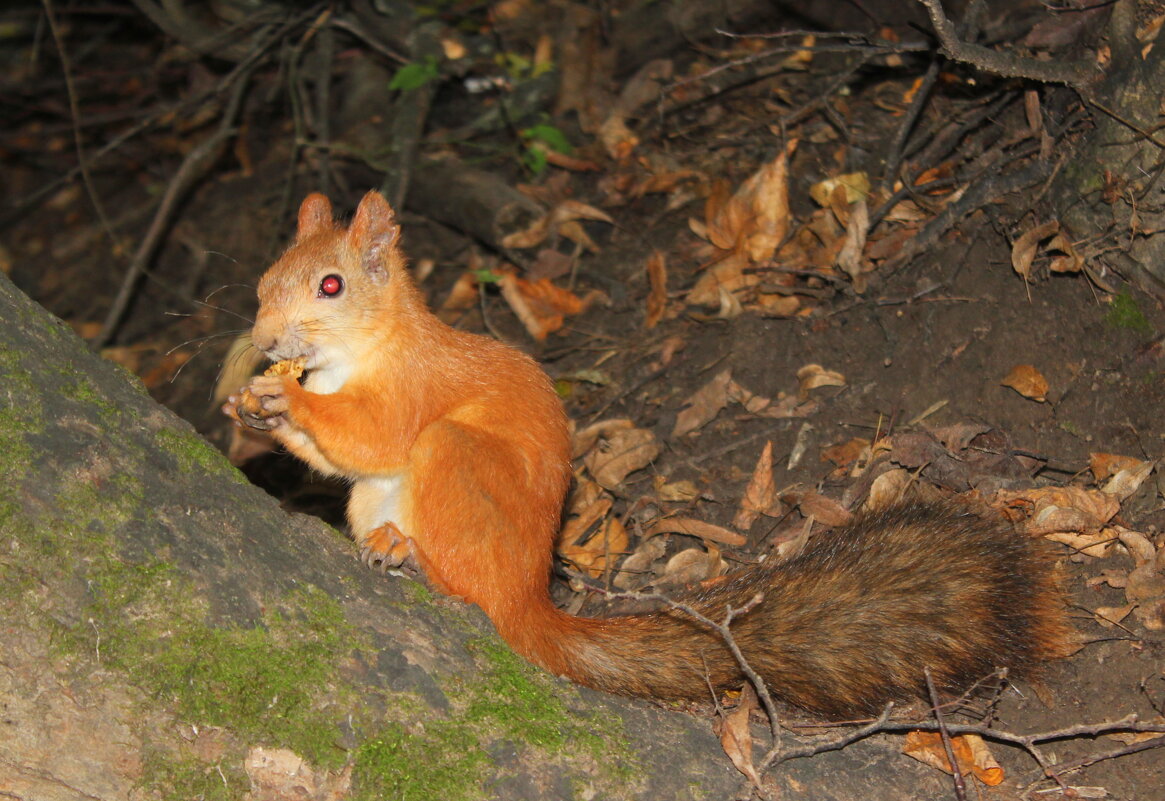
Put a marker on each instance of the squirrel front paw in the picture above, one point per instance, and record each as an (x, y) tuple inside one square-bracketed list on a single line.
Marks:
[(385, 547), (260, 405)]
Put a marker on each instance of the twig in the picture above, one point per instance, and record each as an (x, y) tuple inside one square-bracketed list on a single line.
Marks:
[(75, 113), (945, 736), (192, 167), (1079, 74)]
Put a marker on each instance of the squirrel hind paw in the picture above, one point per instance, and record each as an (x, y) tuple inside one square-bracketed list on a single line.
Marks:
[(385, 548)]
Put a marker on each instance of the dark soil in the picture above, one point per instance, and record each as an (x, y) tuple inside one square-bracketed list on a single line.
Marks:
[(944, 329)]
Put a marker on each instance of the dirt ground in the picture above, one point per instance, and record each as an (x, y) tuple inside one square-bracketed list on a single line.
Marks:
[(923, 348)]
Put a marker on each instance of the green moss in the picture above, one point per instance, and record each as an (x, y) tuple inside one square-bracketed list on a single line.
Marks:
[(192, 451), (183, 779), (519, 699), (443, 761), (1123, 312), (270, 684)]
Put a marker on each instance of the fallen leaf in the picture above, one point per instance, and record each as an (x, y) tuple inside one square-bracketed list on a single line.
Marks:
[(812, 376), (599, 550), (634, 568), (856, 186), (845, 454), (971, 755), (621, 453), (696, 528), (461, 298), (1052, 510), (760, 493), (584, 439), (824, 510), (703, 405), (540, 305), (1110, 616), (1128, 480), (736, 736), (657, 294), (676, 491), (1104, 465), (1026, 246), (1027, 381), (692, 566), (849, 260)]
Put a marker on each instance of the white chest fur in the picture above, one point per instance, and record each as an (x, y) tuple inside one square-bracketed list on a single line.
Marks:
[(376, 501)]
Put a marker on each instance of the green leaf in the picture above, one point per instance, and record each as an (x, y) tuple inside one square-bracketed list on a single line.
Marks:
[(550, 136), (414, 75)]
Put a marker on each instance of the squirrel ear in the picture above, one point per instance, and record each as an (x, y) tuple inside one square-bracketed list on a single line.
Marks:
[(373, 234), (315, 215)]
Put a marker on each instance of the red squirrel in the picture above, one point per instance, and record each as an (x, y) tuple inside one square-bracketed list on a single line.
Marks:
[(458, 453)]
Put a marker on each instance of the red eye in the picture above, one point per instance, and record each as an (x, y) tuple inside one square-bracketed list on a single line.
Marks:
[(330, 286)]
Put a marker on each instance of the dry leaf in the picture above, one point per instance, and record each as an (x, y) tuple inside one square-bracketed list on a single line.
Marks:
[(704, 404), (696, 528), (582, 519), (657, 295), (845, 454), (1062, 509), (692, 566), (540, 305), (971, 755), (727, 274), (824, 510), (599, 550), (760, 493), (1024, 249), (888, 488), (855, 185), (584, 439), (1110, 616), (736, 737), (620, 454), (277, 773), (676, 491), (849, 259), (1027, 381), (812, 376), (1104, 465), (632, 570), (462, 297), (1128, 480)]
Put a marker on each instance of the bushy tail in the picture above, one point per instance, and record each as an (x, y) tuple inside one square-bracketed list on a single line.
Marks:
[(843, 628)]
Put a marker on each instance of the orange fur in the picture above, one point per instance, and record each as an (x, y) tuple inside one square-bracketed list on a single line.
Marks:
[(459, 458)]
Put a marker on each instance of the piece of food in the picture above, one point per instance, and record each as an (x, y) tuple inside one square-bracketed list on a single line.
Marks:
[(251, 406)]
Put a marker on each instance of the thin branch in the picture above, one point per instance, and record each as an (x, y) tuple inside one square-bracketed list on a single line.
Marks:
[(196, 161), (1079, 75), (75, 113)]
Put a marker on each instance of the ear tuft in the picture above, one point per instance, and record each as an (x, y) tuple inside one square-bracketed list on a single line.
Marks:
[(374, 233), (315, 216)]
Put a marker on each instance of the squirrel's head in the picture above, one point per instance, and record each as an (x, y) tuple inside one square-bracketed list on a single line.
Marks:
[(326, 298)]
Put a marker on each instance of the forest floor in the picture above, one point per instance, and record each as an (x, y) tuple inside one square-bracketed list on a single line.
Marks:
[(912, 364)]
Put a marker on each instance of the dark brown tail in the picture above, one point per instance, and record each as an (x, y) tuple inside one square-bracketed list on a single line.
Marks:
[(843, 628)]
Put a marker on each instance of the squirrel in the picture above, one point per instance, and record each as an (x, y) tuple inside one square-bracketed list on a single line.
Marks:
[(459, 458)]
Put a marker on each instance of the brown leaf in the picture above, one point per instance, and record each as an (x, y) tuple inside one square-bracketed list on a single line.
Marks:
[(844, 454), (693, 565), (824, 510), (620, 454), (760, 493), (812, 376), (971, 755), (540, 305), (461, 298), (657, 295), (1025, 248), (696, 528), (704, 404), (736, 737), (584, 439), (1027, 381), (599, 550)]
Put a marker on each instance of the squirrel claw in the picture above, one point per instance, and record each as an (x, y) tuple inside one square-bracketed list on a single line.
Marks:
[(385, 548)]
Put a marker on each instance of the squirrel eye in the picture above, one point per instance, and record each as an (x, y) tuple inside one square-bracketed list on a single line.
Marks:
[(330, 286)]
